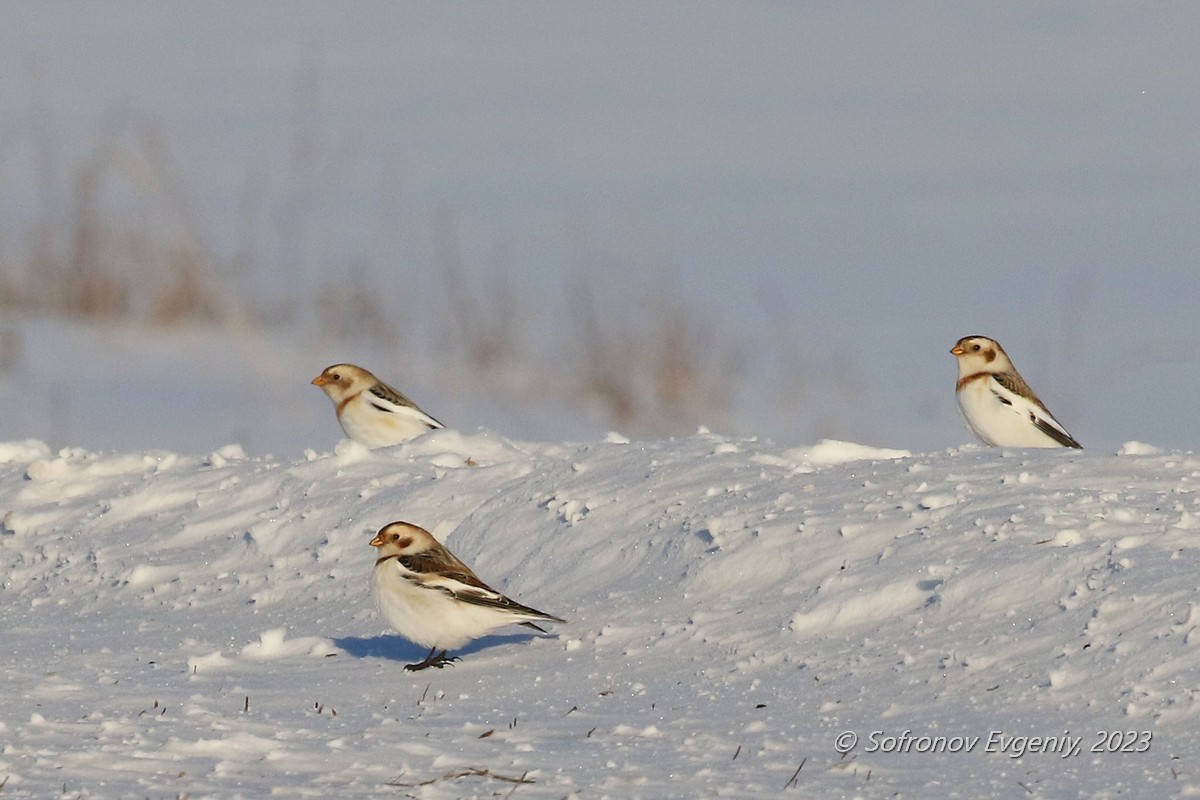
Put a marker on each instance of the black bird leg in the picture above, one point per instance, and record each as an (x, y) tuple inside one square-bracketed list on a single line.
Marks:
[(434, 659)]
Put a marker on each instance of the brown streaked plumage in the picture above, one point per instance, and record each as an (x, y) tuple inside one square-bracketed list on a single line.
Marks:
[(370, 411), (432, 598), (998, 405)]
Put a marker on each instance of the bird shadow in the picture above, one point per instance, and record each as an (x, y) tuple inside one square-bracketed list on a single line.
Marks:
[(397, 648)]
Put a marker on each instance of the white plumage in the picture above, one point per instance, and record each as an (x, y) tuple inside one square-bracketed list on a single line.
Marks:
[(370, 411), (435, 600), (998, 405)]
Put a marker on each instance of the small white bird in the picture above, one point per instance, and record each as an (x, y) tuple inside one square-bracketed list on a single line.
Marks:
[(998, 405), (435, 600), (370, 411)]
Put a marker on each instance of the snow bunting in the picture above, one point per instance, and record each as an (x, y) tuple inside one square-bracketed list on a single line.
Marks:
[(370, 411), (435, 600), (998, 405)]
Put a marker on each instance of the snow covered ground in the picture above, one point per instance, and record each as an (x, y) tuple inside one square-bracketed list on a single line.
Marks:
[(187, 617), (184, 626)]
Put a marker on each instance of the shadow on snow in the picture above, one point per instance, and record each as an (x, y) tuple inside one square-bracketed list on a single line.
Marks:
[(397, 648)]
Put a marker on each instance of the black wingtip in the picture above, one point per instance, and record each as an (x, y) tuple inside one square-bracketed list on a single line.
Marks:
[(1062, 437), (539, 628)]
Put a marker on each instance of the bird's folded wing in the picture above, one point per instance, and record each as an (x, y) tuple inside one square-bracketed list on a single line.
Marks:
[(385, 398), (444, 573), (479, 594), (1049, 426), (1014, 392), (1014, 385)]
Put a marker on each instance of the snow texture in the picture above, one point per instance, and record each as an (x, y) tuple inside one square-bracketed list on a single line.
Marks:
[(184, 626)]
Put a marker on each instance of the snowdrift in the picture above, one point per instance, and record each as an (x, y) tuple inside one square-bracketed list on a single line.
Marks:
[(743, 620)]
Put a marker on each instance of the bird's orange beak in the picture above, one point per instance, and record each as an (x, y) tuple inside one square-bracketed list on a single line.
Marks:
[(956, 350), (320, 380), (377, 541)]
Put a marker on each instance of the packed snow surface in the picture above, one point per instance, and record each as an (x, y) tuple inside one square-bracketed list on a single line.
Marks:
[(744, 620)]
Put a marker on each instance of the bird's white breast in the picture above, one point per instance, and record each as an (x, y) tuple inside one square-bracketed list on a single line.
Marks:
[(430, 617), (374, 428), (997, 423)]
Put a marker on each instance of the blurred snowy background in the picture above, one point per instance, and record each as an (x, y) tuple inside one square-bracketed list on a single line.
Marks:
[(553, 219)]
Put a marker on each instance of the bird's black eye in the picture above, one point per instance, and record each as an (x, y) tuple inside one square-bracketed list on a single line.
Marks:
[(975, 347), (338, 377)]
